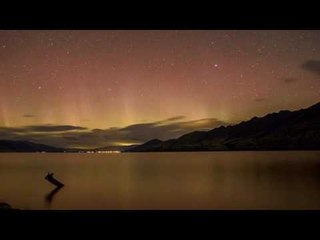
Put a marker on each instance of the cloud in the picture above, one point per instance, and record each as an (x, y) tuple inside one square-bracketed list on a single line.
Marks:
[(259, 99), (174, 118), (312, 66), (290, 80), (55, 135), (64, 136), (11, 130), (169, 130), (202, 124), (28, 115), (53, 128), (71, 138)]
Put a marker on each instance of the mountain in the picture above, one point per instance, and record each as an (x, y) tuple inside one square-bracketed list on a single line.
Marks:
[(25, 146), (152, 145), (115, 148), (285, 130), (108, 148)]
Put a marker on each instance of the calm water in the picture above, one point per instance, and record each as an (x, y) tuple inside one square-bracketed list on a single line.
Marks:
[(207, 180)]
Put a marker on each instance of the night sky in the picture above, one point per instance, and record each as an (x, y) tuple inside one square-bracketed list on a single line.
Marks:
[(100, 88)]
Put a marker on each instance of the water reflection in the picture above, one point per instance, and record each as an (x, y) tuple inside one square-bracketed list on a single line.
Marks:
[(50, 196), (199, 180)]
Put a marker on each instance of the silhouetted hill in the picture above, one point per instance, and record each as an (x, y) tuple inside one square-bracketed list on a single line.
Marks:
[(285, 130), (107, 148), (25, 146), (151, 145), (115, 148)]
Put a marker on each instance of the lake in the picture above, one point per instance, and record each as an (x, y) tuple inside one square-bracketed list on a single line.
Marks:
[(188, 180)]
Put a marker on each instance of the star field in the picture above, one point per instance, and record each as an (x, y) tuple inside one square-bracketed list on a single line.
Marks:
[(105, 79)]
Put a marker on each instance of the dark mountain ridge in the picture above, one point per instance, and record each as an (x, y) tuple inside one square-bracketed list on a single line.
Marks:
[(285, 130), (25, 146)]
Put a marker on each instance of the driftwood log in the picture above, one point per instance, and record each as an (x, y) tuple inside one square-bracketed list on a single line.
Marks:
[(53, 180)]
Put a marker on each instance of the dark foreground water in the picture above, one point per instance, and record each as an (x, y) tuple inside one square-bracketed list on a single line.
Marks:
[(206, 180)]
